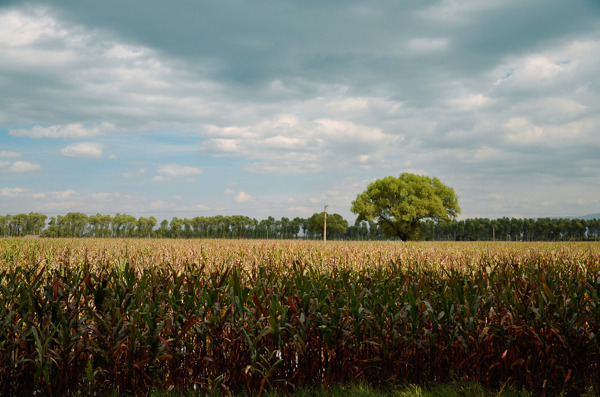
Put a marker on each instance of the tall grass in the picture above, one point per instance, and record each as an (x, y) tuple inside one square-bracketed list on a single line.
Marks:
[(131, 315)]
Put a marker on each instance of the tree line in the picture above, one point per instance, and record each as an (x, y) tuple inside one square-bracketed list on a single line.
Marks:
[(513, 229), (77, 224)]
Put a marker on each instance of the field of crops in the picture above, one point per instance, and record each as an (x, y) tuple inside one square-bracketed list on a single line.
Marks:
[(111, 315)]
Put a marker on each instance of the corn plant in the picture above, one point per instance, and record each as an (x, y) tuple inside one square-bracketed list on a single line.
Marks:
[(128, 316)]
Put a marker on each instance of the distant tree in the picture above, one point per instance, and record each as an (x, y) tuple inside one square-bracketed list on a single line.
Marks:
[(4, 225), (94, 223), (163, 229), (145, 226), (266, 227), (336, 225), (516, 229), (295, 226), (33, 223), (17, 224), (175, 227), (52, 230), (117, 225), (593, 227), (73, 224), (187, 228), (124, 225), (400, 204)]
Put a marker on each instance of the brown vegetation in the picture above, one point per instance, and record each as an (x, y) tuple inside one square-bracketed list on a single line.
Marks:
[(128, 315)]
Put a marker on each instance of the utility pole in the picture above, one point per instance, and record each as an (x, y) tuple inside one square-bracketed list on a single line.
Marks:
[(325, 225)]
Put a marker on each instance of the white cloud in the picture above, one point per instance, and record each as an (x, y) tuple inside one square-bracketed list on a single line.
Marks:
[(121, 51), (63, 194), (18, 167), (162, 205), (83, 150), (487, 153), (363, 158), (11, 191), (286, 143), (239, 196), (538, 68), (522, 131), (197, 207), (71, 131), (8, 154), (301, 209), (469, 102), (132, 87), (18, 29), (243, 197), (557, 71), (134, 174), (105, 196), (167, 171)]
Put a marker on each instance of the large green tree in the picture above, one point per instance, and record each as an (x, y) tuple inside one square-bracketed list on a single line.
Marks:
[(399, 205)]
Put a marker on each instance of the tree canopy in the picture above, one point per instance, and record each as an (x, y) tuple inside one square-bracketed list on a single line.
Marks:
[(336, 224), (399, 205)]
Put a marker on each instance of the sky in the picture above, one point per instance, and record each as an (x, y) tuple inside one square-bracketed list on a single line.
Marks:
[(276, 108)]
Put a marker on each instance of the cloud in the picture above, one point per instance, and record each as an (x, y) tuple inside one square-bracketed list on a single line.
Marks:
[(11, 191), (162, 205), (168, 171), (18, 167), (70, 131), (134, 174), (243, 197), (9, 154), (63, 194), (423, 45), (301, 210), (83, 150), (19, 29), (239, 196), (106, 196), (313, 94), (92, 75), (286, 143)]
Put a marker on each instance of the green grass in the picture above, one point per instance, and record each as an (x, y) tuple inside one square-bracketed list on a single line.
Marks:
[(363, 390), (449, 390)]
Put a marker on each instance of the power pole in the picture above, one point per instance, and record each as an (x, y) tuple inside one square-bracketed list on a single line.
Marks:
[(325, 225)]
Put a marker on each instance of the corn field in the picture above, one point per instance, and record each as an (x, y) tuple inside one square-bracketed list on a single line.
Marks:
[(128, 316)]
